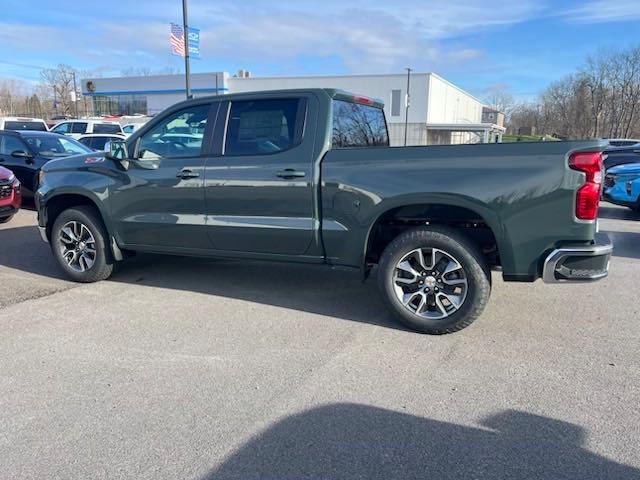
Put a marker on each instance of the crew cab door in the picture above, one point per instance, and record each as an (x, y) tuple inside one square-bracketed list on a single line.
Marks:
[(159, 200), (259, 188)]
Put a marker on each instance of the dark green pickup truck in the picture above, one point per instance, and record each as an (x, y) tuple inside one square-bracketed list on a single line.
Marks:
[(308, 176)]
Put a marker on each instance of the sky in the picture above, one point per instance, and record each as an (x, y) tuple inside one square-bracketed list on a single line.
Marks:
[(520, 46)]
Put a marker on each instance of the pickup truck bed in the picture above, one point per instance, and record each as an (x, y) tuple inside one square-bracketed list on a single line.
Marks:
[(308, 176)]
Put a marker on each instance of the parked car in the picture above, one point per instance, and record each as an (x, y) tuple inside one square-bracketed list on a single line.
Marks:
[(621, 156), (10, 196), (23, 123), (97, 141), (308, 176), (77, 128), (25, 153), (623, 142), (622, 185)]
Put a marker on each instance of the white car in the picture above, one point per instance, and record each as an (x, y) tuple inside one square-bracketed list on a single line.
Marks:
[(98, 141), (23, 123), (77, 128)]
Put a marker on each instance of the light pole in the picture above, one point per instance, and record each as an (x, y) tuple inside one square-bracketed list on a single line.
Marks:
[(185, 32), (406, 107), (75, 94)]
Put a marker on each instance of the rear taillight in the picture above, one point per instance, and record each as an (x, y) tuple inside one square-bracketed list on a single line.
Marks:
[(588, 195)]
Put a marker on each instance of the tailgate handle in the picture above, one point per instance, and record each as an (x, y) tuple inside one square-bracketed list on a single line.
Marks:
[(291, 173)]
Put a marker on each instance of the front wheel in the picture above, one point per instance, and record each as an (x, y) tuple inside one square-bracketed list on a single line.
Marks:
[(79, 242), (434, 280)]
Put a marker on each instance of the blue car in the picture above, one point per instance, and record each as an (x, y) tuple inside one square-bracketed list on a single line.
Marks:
[(622, 185)]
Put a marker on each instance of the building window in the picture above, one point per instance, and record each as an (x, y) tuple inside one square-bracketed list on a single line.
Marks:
[(120, 104), (395, 102)]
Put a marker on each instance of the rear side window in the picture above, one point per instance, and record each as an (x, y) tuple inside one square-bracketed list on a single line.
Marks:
[(78, 127), (106, 128), (357, 125), (262, 127), (12, 125)]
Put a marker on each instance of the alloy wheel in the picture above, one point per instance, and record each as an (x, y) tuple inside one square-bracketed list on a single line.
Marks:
[(430, 283), (77, 246)]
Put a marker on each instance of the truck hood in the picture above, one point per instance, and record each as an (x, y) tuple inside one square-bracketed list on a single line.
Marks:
[(74, 161), (627, 169)]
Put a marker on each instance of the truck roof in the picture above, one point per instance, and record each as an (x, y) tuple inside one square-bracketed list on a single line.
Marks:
[(334, 93)]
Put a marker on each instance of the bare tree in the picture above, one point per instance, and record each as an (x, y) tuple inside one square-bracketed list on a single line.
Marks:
[(60, 83), (500, 99)]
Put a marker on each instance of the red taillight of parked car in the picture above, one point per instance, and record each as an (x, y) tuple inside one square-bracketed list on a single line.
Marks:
[(588, 195)]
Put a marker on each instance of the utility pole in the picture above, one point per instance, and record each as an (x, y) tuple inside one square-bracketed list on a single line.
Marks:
[(406, 107), (75, 94), (185, 26)]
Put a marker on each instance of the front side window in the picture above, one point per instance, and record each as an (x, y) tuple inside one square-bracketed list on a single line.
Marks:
[(179, 135), (358, 125), (78, 127), (261, 127), (62, 128)]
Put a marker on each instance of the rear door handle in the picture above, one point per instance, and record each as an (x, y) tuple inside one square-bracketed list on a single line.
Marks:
[(291, 173), (186, 173)]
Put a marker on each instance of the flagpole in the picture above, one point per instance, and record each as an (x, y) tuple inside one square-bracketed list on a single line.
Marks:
[(185, 33)]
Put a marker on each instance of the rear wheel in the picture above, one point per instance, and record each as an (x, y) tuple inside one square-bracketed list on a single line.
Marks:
[(79, 242), (434, 280)]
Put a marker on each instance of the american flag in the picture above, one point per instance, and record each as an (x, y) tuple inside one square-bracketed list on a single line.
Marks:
[(177, 40)]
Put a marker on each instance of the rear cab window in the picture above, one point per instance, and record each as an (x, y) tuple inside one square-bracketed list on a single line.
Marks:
[(358, 123), (106, 128)]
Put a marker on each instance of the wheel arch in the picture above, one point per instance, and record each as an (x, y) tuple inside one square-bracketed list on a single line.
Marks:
[(473, 218), (56, 204)]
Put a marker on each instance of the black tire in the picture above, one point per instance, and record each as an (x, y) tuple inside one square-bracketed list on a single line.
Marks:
[(465, 252), (103, 263), (6, 219)]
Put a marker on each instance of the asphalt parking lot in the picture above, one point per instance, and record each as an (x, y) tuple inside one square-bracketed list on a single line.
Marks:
[(191, 369)]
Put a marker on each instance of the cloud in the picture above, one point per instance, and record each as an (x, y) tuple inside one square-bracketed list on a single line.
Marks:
[(602, 11), (354, 36)]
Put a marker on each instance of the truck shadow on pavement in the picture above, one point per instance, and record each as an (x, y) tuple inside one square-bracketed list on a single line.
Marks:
[(617, 213), (625, 244), (313, 289), (358, 441)]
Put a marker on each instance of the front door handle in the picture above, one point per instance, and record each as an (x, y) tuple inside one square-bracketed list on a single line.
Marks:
[(291, 173), (186, 173)]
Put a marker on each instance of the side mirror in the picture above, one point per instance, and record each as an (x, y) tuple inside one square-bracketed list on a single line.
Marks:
[(21, 154), (116, 150)]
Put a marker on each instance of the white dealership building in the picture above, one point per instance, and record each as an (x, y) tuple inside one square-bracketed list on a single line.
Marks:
[(439, 112)]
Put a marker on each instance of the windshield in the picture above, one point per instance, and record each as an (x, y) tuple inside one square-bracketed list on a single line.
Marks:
[(53, 146), (13, 125)]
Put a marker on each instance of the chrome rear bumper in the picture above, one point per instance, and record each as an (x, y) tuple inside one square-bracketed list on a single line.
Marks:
[(579, 263)]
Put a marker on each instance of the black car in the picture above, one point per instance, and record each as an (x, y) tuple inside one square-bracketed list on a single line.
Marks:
[(25, 152), (621, 156)]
